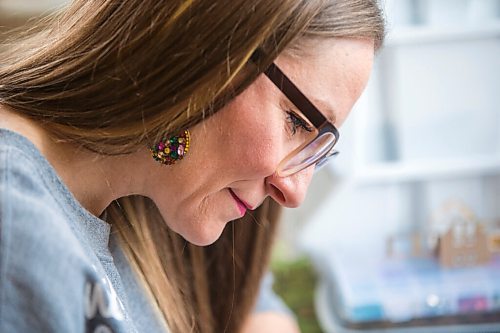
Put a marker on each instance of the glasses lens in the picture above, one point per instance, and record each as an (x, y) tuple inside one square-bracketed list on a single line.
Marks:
[(308, 155), (322, 161)]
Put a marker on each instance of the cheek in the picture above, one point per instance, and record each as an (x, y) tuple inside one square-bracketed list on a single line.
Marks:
[(253, 150), (255, 139)]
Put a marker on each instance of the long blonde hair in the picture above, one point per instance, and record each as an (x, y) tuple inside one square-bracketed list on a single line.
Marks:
[(114, 76)]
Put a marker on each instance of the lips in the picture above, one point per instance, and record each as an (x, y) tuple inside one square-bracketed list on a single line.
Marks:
[(242, 206)]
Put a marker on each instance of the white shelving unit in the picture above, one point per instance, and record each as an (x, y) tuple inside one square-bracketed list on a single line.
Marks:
[(413, 35), (389, 129), (402, 172)]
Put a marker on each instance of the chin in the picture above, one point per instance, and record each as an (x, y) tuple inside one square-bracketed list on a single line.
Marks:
[(202, 240), (202, 234)]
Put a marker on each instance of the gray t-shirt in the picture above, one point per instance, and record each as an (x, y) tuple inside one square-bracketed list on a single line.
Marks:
[(57, 273), (59, 269)]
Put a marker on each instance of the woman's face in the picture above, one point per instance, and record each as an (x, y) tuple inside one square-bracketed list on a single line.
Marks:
[(231, 165)]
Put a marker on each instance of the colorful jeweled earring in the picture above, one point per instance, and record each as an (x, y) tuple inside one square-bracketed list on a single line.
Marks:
[(171, 149)]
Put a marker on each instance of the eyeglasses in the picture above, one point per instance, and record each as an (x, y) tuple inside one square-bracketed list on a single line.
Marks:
[(315, 151)]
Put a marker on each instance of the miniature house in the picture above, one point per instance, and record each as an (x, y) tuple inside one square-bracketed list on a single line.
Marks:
[(464, 244)]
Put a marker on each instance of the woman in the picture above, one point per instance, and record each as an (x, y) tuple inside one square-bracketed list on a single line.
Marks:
[(168, 120)]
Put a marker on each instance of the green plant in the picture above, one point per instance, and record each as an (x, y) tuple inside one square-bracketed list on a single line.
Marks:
[(294, 283)]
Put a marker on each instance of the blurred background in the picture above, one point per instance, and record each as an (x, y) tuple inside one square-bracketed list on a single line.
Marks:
[(402, 230), (401, 233)]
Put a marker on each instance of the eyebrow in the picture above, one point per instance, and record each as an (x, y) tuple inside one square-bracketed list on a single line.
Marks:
[(298, 98), (327, 110)]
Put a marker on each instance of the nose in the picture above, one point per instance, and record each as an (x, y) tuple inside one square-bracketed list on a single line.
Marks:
[(289, 191)]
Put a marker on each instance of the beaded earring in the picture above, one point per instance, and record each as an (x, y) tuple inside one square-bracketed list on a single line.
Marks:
[(171, 149)]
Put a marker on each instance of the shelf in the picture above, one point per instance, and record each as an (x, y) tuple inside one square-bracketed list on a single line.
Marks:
[(434, 34), (396, 172)]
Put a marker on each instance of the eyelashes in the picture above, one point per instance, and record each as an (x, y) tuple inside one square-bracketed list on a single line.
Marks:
[(297, 123)]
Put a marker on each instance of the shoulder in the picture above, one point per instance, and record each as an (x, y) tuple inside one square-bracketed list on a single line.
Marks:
[(18, 172), (37, 248), (50, 280), (34, 223), (28, 208)]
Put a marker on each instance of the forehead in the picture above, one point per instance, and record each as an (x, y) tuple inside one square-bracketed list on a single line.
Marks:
[(331, 73)]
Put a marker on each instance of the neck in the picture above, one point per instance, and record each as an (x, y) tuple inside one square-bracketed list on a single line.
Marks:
[(93, 179)]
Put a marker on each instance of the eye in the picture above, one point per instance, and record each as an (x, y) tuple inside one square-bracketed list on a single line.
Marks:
[(297, 123)]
